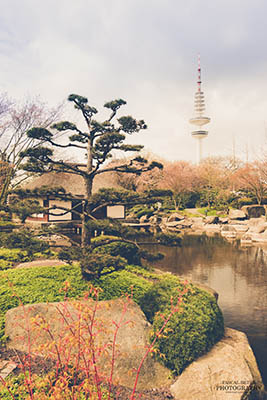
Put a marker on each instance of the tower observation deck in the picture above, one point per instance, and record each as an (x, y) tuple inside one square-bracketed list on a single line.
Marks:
[(199, 119)]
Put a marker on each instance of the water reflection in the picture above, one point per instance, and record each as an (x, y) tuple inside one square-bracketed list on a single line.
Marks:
[(237, 273)]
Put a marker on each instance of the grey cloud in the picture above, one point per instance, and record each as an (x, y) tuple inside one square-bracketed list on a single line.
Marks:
[(146, 52)]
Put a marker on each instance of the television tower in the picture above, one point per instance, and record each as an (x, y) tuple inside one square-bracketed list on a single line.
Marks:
[(199, 120)]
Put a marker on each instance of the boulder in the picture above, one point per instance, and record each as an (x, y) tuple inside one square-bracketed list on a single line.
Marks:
[(254, 211), (155, 219), (237, 214), (223, 220), (143, 219), (175, 217), (259, 237), (197, 220), (131, 342), (212, 228), (172, 224), (186, 223), (228, 231), (240, 228), (226, 372), (260, 228), (246, 240), (212, 219)]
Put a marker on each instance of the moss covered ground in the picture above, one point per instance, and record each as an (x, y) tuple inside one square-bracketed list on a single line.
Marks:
[(193, 330)]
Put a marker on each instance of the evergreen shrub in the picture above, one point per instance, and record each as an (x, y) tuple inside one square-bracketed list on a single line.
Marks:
[(23, 239), (129, 251), (168, 239), (14, 255), (190, 333)]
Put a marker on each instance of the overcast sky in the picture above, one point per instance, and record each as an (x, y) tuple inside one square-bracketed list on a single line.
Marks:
[(145, 51)]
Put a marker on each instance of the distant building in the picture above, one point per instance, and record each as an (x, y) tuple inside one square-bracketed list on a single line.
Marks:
[(72, 200)]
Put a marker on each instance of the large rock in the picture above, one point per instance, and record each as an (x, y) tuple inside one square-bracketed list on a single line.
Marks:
[(226, 372), (212, 219), (254, 211), (155, 219), (143, 219), (237, 214), (175, 217), (197, 220), (228, 231), (240, 228), (172, 224), (223, 220), (131, 342), (260, 228), (258, 237), (212, 228)]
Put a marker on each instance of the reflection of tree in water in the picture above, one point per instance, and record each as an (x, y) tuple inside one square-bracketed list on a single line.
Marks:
[(196, 252), (204, 252), (252, 264)]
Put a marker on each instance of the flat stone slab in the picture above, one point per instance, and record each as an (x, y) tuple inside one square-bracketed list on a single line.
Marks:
[(6, 367), (41, 263)]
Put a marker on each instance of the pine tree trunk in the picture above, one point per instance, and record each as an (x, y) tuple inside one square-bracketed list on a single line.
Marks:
[(5, 187), (85, 239)]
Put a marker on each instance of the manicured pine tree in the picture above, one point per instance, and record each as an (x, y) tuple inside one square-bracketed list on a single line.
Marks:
[(97, 142)]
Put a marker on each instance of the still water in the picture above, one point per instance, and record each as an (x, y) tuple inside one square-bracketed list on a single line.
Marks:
[(238, 274)]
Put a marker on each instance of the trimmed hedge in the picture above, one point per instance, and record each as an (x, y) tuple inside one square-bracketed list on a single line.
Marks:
[(192, 332)]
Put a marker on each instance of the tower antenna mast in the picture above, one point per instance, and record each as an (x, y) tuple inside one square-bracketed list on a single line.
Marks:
[(199, 119)]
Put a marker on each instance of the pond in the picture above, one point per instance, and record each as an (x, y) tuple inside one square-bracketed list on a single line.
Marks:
[(238, 274)]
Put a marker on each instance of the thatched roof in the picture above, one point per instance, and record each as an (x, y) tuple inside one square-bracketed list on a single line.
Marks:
[(73, 184)]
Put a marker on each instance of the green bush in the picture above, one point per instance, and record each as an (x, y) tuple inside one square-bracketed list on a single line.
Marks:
[(242, 201), (95, 265), (7, 225), (129, 251), (23, 239), (14, 255), (145, 211), (157, 298), (109, 227), (121, 282), (191, 333), (44, 284), (168, 239), (5, 264)]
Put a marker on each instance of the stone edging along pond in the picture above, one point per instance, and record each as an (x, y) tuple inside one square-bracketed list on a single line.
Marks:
[(250, 227)]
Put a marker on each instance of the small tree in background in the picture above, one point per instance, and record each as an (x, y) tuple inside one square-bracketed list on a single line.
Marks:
[(214, 182), (179, 177), (97, 143), (252, 179), (15, 120)]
